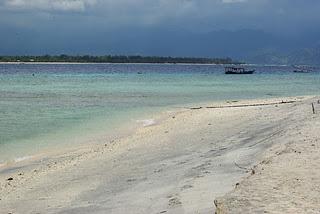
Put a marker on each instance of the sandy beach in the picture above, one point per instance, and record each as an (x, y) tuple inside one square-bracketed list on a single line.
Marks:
[(286, 179), (249, 156)]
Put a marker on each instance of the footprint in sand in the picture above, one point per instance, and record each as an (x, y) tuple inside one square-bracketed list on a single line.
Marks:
[(175, 201)]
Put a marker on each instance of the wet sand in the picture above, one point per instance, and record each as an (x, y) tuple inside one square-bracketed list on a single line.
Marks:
[(181, 164)]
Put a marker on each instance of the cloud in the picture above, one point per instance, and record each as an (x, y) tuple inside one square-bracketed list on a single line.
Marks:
[(49, 5), (121, 24), (284, 16)]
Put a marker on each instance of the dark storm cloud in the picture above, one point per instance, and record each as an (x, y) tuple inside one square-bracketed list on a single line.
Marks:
[(76, 23)]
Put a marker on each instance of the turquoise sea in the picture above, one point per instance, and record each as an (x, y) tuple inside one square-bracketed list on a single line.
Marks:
[(53, 105)]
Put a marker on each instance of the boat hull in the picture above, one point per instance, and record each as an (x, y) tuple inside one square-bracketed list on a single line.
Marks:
[(304, 72), (243, 72)]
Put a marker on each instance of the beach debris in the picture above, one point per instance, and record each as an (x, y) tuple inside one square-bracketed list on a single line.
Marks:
[(232, 101), (10, 179), (186, 187), (313, 110), (246, 169), (131, 180), (157, 170), (196, 108), (240, 167)]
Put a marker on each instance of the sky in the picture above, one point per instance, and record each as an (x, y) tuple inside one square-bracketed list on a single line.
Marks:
[(211, 28)]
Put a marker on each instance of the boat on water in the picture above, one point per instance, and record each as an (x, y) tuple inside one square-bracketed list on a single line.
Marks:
[(302, 69), (237, 70)]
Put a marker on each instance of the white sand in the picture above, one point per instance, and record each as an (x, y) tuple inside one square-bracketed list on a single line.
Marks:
[(287, 179), (178, 165)]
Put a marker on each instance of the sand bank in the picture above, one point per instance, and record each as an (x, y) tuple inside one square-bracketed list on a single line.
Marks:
[(177, 165)]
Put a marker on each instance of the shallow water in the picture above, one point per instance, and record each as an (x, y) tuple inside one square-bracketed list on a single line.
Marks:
[(58, 104)]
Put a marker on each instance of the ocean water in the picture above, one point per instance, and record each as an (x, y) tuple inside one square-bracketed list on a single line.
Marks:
[(53, 105)]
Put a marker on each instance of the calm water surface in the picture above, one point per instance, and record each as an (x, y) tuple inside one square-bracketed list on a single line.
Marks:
[(54, 104)]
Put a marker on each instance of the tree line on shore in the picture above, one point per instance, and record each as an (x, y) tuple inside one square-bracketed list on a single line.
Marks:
[(116, 59)]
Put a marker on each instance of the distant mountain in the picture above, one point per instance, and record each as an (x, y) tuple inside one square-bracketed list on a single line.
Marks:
[(247, 45), (269, 56), (147, 42), (304, 56), (308, 56)]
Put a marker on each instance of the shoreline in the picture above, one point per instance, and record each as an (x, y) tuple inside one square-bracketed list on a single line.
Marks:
[(129, 128), (106, 63), (93, 139), (180, 130)]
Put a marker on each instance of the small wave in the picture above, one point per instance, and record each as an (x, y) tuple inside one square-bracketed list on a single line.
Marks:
[(147, 122), (2, 164), (20, 159)]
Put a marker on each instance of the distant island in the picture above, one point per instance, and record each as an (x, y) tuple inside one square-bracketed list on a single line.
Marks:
[(116, 59)]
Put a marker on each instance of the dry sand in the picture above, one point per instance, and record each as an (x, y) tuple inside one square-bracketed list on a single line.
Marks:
[(180, 165), (287, 179)]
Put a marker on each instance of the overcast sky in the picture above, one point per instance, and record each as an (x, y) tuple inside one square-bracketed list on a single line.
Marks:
[(112, 26)]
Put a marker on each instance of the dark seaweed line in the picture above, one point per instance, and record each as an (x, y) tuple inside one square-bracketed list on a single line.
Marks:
[(244, 105)]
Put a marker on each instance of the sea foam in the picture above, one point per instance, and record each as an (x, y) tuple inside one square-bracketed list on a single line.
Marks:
[(147, 122), (20, 159), (2, 164)]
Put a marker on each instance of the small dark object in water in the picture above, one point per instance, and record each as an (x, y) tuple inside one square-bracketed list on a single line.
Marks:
[(301, 71), (237, 70), (139, 72)]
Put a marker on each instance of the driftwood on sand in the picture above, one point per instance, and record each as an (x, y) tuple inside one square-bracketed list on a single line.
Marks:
[(313, 109)]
